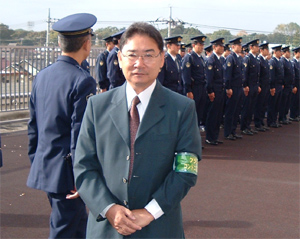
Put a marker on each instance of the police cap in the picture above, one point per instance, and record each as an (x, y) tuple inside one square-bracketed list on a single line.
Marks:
[(175, 40), (277, 48), (227, 47), (189, 45), (208, 48), (200, 39), (108, 39), (245, 47), (219, 41), (76, 25), (117, 35), (286, 48), (296, 49), (182, 47), (264, 45), (253, 42), (236, 41)]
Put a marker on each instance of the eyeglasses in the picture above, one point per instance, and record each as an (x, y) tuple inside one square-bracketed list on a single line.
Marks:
[(147, 58)]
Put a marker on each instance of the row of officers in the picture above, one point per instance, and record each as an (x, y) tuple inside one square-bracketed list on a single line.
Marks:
[(234, 83)]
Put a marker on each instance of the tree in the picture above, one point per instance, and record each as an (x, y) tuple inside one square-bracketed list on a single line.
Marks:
[(5, 34), (220, 33)]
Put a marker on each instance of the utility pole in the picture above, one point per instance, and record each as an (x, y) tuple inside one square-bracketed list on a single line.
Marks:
[(169, 22), (48, 28)]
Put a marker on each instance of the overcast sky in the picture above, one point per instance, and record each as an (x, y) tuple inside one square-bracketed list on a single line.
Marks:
[(210, 15)]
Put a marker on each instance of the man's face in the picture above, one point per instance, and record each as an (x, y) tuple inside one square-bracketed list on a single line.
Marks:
[(110, 46), (277, 53), (254, 49), (237, 48), (297, 55), (287, 54), (140, 72), (219, 49), (264, 52), (173, 48), (198, 48)]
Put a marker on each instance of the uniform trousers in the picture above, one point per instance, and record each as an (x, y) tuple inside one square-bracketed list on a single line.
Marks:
[(294, 113), (68, 217), (261, 106), (214, 116), (273, 106), (285, 103), (200, 95), (249, 103), (232, 111)]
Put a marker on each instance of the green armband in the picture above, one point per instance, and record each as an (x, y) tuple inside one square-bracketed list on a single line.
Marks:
[(186, 163)]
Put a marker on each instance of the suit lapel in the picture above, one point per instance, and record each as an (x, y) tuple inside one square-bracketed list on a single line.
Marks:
[(154, 112), (119, 113)]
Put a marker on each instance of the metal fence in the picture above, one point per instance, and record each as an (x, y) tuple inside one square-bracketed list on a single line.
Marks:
[(19, 66)]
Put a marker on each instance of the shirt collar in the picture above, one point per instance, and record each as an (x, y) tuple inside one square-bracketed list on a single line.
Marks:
[(173, 57), (144, 96), (265, 57), (216, 55)]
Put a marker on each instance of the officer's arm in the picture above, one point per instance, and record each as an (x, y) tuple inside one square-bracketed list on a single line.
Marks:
[(113, 70), (32, 128), (209, 68), (246, 72), (187, 73), (83, 91), (103, 80), (272, 74)]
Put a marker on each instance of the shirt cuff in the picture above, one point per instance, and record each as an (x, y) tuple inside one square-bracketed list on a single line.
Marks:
[(103, 213), (154, 209)]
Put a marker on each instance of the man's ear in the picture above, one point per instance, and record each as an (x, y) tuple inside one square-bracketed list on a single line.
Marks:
[(120, 59), (162, 59)]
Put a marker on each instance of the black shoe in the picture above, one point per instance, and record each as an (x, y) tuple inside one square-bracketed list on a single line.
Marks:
[(289, 122), (266, 128), (260, 129), (237, 136), (253, 131), (274, 125), (247, 132), (219, 141), (279, 125), (295, 119), (211, 142), (283, 122), (230, 137)]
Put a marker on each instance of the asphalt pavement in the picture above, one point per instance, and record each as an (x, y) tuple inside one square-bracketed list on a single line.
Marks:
[(247, 188)]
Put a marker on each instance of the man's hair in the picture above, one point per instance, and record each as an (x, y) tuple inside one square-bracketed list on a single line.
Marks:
[(142, 28), (71, 44)]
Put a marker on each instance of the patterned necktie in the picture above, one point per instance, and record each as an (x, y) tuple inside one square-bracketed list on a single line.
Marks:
[(134, 125)]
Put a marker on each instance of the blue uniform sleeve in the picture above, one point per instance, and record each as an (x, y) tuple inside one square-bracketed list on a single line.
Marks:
[(187, 73), (272, 74), (246, 71), (101, 67), (210, 65), (228, 72), (81, 93)]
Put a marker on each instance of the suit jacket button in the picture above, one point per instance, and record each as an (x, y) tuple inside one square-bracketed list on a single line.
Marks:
[(125, 180)]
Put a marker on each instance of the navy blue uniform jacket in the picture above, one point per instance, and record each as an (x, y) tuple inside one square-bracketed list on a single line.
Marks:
[(57, 103), (101, 70), (169, 125), (114, 72)]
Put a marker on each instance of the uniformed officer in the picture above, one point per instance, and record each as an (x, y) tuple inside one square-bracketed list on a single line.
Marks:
[(227, 50), (114, 72), (215, 91), (276, 86), (208, 51), (294, 111), (182, 51), (289, 81), (264, 84), (234, 89), (101, 65), (194, 76), (188, 48), (57, 104), (251, 87), (170, 74)]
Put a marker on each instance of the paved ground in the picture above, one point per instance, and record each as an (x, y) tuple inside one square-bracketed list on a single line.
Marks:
[(247, 188)]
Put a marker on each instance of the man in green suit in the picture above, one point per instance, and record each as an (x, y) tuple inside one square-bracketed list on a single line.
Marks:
[(133, 186)]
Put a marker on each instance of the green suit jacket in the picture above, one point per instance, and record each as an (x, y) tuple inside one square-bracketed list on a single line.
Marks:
[(102, 160)]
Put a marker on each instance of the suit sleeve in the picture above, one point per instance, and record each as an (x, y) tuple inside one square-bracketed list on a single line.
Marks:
[(89, 179), (177, 184), (272, 74), (85, 89)]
